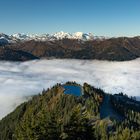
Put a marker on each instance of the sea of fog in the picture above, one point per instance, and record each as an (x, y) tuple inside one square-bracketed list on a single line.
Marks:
[(18, 81)]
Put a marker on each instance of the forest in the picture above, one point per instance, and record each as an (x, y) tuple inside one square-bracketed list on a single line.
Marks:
[(54, 115)]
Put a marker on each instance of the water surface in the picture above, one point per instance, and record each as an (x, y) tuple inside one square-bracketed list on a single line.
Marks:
[(72, 89)]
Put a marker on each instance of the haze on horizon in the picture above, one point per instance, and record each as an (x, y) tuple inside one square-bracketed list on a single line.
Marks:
[(102, 18)]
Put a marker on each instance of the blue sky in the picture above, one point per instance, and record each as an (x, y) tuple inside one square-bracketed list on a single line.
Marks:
[(101, 17)]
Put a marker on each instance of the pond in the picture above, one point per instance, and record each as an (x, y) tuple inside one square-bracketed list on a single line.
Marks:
[(72, 89)]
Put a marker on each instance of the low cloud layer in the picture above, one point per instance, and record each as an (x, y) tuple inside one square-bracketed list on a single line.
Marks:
[(21, 80)]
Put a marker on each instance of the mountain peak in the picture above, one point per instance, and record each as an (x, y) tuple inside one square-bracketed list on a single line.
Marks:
[(56, 36), (47, 37)]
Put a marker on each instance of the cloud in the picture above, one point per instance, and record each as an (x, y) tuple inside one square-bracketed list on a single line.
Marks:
[(21, 80)]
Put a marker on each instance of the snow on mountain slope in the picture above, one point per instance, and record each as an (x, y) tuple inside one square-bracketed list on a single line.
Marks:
[(21, 36), (61, 35), (55, 36), (83, 36), (77, 35), (44, 37), (5, 39)]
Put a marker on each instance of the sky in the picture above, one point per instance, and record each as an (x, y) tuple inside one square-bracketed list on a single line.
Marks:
[(100, 17)]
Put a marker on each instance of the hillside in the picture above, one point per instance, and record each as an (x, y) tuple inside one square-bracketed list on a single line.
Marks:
[(8, 54), (57, 114), (116, 49)]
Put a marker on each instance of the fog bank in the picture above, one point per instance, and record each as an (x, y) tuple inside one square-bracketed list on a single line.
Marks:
[(21, 80)]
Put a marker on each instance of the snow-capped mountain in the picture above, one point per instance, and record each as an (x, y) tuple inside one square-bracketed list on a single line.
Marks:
[(61, 35), (55, 36), (77, 35), (83, 36), (21, 36), (5, 39)]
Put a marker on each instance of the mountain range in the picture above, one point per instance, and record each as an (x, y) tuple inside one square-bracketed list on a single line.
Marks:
[(66, 45), (45, 37)]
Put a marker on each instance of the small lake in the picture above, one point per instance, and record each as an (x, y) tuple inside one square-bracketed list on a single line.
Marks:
[(72, 89)]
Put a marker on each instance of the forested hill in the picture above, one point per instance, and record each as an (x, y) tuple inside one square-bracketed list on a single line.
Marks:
[(61, 114)]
